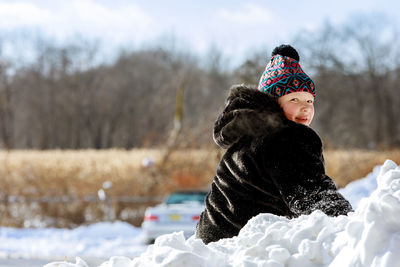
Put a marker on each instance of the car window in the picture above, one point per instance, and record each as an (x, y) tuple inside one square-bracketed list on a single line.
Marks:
[(178, 198)]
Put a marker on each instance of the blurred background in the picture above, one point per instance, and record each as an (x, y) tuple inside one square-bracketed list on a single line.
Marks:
[(108, 106)]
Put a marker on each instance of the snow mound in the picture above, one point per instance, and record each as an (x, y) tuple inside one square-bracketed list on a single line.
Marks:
[(361, 188), (369, 236)]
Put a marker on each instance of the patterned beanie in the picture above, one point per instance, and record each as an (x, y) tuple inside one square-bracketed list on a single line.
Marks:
[(284, 75)]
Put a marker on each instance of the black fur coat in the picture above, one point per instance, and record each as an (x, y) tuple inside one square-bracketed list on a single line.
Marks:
[(272, 165)]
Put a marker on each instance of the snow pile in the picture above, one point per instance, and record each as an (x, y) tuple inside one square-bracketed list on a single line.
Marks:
[(361, 188), (370, 236)]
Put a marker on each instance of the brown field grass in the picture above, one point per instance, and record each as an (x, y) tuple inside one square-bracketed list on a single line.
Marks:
[(345, 166), (77, 175)]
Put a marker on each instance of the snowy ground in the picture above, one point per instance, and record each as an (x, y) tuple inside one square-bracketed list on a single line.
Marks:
[(368, 237), (95, 244)]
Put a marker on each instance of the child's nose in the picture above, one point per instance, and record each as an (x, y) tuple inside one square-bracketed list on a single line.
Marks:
[(305, 107)]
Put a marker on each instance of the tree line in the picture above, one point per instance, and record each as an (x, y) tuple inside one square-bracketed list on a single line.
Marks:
[(65, 98)]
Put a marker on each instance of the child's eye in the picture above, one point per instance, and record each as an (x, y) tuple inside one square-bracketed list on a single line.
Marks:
[(310, 101), (293, 99)]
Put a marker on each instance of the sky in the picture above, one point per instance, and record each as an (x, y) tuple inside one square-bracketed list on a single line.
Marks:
[(233, 26)]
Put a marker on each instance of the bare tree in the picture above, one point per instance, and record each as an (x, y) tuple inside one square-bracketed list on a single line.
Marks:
[(6, 108), (65, 97), (353, 67)]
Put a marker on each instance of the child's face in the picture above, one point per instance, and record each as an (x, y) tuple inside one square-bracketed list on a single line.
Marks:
[(298, 107)]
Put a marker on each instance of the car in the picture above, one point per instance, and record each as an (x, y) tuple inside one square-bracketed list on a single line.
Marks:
[(179, 212)]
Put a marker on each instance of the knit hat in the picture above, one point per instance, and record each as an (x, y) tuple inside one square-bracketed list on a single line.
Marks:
[(284, 75)]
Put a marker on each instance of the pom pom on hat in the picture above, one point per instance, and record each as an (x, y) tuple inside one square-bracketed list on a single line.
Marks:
[(283, 74), (287, 51)]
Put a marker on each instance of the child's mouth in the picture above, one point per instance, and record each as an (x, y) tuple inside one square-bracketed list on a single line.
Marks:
[(302, 120)]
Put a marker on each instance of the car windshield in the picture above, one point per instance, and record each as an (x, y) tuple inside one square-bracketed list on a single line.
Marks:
[(177, 198)]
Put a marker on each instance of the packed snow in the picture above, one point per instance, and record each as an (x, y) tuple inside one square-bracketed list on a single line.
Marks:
[(369, 236)]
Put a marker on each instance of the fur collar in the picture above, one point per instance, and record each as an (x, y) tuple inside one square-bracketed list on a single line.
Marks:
[(248, 112)]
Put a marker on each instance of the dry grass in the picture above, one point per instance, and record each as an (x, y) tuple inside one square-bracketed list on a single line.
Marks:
[(81, 174), (345, 166)]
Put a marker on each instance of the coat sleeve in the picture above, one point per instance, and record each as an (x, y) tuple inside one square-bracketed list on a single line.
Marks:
[(298, 171)]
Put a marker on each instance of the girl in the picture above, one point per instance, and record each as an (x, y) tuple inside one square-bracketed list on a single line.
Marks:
[(274, 162)]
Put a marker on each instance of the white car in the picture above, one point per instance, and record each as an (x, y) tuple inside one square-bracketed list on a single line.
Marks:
[(180, 212)]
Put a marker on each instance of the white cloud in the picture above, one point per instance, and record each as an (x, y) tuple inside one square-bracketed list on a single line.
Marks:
[(86, 17), (91, 15), (248, 14), (14, 15)]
